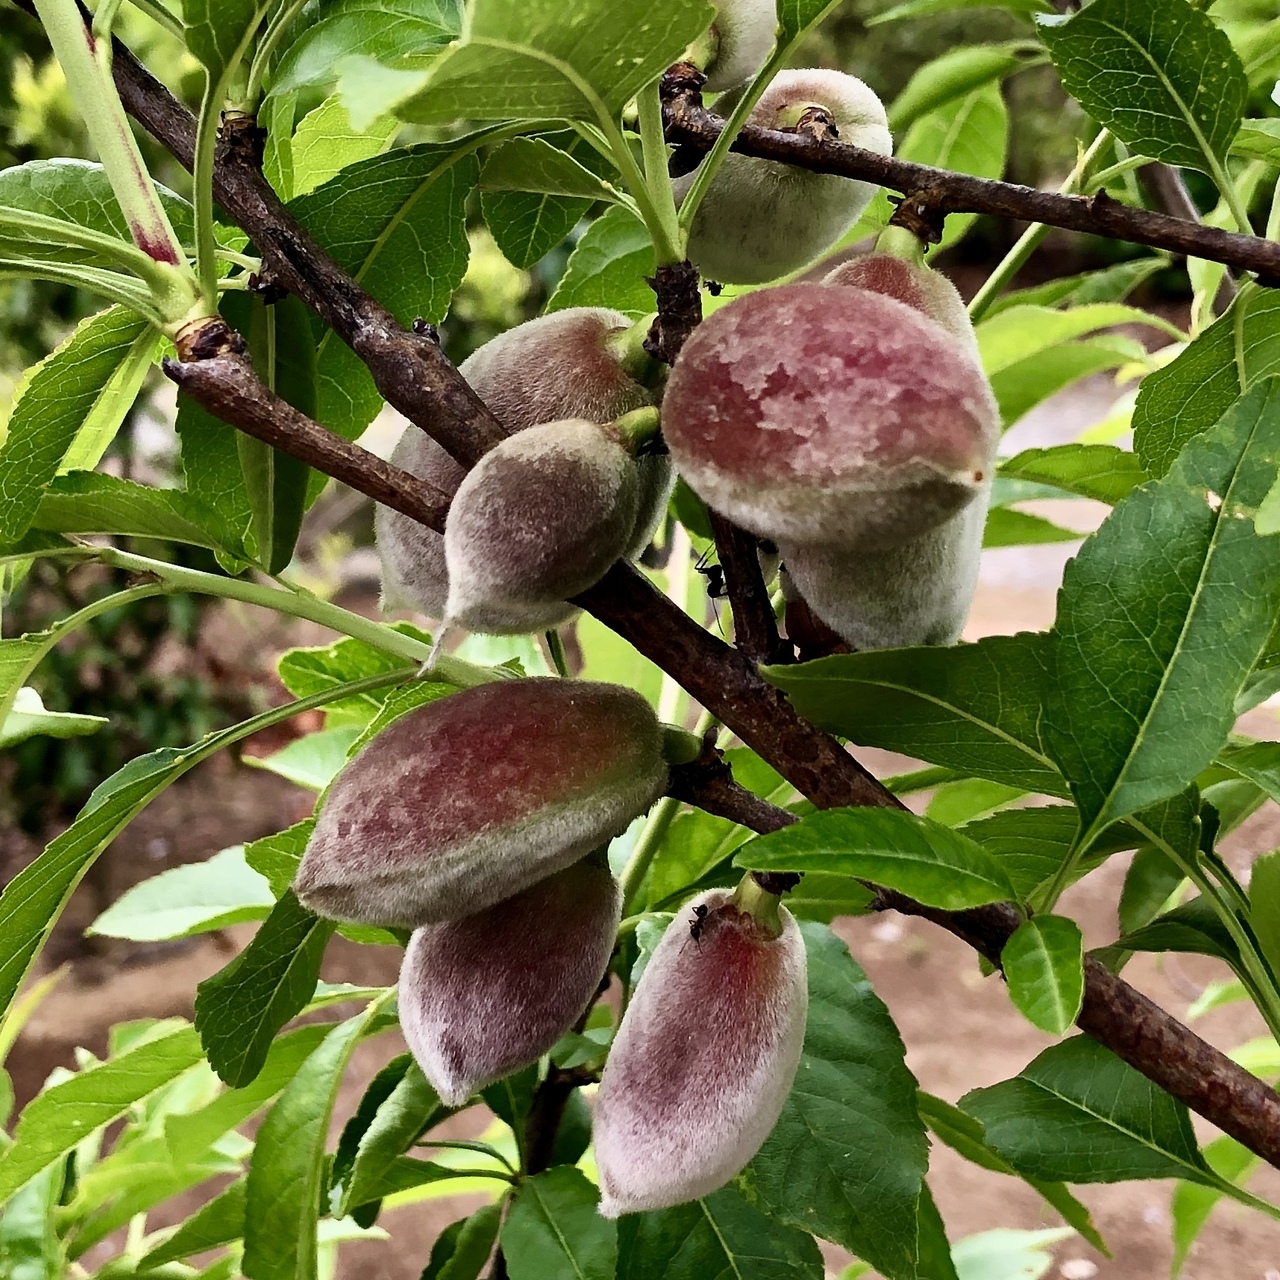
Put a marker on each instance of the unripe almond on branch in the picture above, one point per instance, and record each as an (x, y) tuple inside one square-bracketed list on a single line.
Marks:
[(488, 994), (577, 363), (472, 799), (706, 1053), (539, 518), (818, 416), (739, 41), (761, 219)]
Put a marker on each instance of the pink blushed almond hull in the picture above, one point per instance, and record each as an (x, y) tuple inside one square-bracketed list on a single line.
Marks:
[(487, 995), (474, 798), (703, 1061)]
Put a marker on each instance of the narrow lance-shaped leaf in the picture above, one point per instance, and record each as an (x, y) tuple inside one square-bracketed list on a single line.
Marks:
[(553, 1232), (62, 1116), (934, 864), (239, 1010)]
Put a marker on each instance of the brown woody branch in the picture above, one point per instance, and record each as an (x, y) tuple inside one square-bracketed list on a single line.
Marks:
[(1134, 1028), (932, 193), (415, 377)]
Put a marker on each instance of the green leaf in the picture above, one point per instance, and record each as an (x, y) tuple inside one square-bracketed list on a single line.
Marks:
[(1043, 964), (1259, 762), (32, 901), (521, 59), (79, 192), (219, 31), (189, 1136), (1148, 885), (310, 671), (1259, 140), (526, 226), (972, 707), (1099, 471), (796, 16), (953, 75), (188, 900), (67, 1113), (1022, 386), (84, 502), (1006, 527), (968, 135), (1112, 284), (412, 1107), (1264, 907), (1019, 333), (397, 223), (1193, 928), (286, 1173), (955, 803), (30, 1248), (553, 1232), (312, 761), (1191, 1204), (1005, 1254), (1191, 394), (925, 8), (28, 718), (963, 1134), (1077, 1113), (326, 142), (392, 31), (846, 1160), (1162, 616), (1158, 73), (217, 1223), (50, 406), (934, 864), (239, 1010), (463, 1248), (533, 164), (609, 266), (722, 1237), (276, 856), (212, 476)]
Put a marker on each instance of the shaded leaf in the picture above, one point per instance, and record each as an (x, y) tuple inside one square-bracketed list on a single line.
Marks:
[(609, 266), (219, 1222), (553, 1232)]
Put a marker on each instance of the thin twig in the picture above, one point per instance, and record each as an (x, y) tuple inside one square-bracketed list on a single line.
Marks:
[(930, 194)]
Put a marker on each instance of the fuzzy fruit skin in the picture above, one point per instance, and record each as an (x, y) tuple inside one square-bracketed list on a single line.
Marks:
[(919, 287), (760, 219), (557, 366), (819, 416), (745, 30), (704, 1058), (539, 518), (917, 593), (486, 995), (471, 799)]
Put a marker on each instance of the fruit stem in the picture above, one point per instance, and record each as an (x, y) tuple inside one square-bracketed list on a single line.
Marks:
[(759, 904), (657, 181), (636, 428), (679, 746), (898, 242), (703, 51), (626, 347)]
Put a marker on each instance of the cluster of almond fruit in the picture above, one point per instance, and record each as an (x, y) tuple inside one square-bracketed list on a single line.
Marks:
[(849, 423)]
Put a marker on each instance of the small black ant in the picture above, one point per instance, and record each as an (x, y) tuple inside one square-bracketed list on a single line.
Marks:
[(699, 922)]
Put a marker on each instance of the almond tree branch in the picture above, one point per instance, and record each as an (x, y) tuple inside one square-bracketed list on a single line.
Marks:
[(415, 376), (929, 194), (1134, 1028)]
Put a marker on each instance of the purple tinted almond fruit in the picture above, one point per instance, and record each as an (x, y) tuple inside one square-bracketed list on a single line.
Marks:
[(917, 286), (471, 799), (704, 1058), (570, 364), (819, 416), (488, 994), (913, 594), (760, 219), (539, 518)]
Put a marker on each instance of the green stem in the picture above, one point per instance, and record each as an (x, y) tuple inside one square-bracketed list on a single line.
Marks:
[(161, 17), (276, 30), (86, 64), (650, 841), (710, 166), (461, 1144), (1031, 238), (297, 603), (106, 284), (73, 622), (555, 647), (657, 181), (1273, 221), (666, 249), (1222, 177)]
